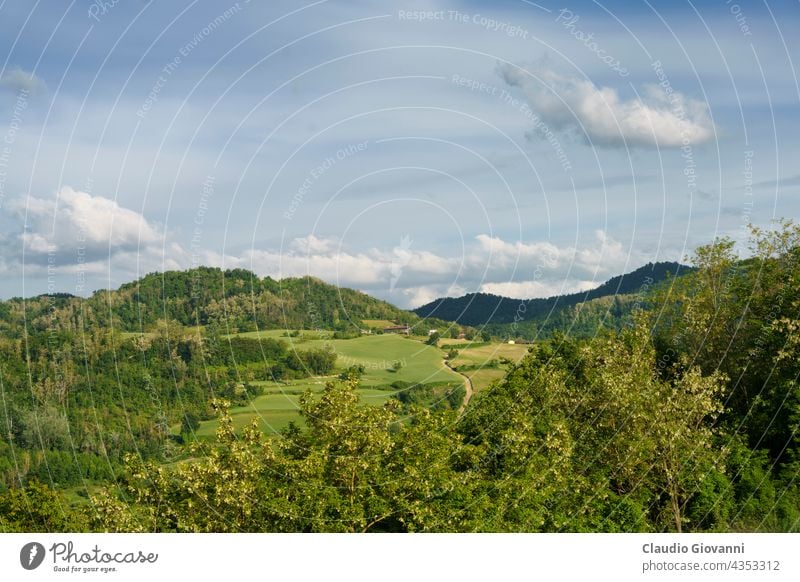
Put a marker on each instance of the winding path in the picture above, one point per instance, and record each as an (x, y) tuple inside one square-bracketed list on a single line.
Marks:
[(468, 390)]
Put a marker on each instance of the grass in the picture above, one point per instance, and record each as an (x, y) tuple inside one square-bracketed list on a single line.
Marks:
[(477, 361), (378, 322), (279, 406), (483, 377), (282, 334), (482, 354), (420, 364)]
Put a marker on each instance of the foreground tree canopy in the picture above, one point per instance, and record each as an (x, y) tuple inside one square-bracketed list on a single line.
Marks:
[(686, 419)]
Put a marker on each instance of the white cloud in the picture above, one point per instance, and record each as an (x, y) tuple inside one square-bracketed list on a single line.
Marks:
[(325, 258), (79, 217), (491, 264), (77, 228), (602, 117), (80, 234), (314, 245), (604, 256), (19, 80)]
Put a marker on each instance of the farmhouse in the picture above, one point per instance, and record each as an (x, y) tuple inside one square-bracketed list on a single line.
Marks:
[(406, 329)]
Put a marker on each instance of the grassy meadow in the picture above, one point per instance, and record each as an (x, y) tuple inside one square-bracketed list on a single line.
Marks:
[(483, 363), (378, 354)]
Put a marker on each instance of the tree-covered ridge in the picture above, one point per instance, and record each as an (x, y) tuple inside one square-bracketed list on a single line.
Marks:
[(477, 309), (236, 298)]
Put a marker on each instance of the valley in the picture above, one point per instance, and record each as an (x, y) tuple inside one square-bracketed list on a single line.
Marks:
[(420, 366)]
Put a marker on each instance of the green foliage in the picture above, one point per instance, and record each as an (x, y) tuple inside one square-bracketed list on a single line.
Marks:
[(190, 423), (478, 309), (680, 415), (739, 317), (346, 334), (594, 420), (38, 508), (354, 372), (354, 468)]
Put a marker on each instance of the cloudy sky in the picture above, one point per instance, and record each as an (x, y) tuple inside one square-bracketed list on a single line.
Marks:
[(407, 149)]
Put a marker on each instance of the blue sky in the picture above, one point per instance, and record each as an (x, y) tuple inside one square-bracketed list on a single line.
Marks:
[(407, 149)]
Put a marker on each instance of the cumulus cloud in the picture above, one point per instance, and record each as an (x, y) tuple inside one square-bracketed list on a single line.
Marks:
[(490, 264), (313, 244), (76, 230), (79, 234), (603, 255), (661, 117), (19, 80), (325, 258)]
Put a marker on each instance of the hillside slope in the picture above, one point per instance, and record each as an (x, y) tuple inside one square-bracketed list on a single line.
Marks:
[(477, 309), (237, 299)]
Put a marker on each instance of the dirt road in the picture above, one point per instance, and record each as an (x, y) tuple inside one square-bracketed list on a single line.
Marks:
[(468, 390)]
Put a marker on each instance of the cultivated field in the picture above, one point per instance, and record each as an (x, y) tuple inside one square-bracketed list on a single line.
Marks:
[(483, 363), (419, 364)]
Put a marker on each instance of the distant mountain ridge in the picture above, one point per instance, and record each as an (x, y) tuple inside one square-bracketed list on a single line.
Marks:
[(477, 309)]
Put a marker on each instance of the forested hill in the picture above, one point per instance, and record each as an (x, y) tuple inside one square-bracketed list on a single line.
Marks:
[(237, 299), (482, 308)]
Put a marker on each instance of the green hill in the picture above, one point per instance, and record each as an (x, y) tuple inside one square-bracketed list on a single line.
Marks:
[(236, 299), (479, 309)]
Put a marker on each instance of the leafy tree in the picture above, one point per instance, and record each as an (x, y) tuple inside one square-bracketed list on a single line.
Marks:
[(354, 372), (189, 424), (38, 508), (46, 427), (597, 421)]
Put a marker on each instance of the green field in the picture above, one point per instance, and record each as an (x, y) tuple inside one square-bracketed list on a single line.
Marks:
[(305, 335), (279, 405), (482, 363), (420, 364), (378, 322)]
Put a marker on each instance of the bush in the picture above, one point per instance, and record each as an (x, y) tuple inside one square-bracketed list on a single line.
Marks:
[(353, 372)]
